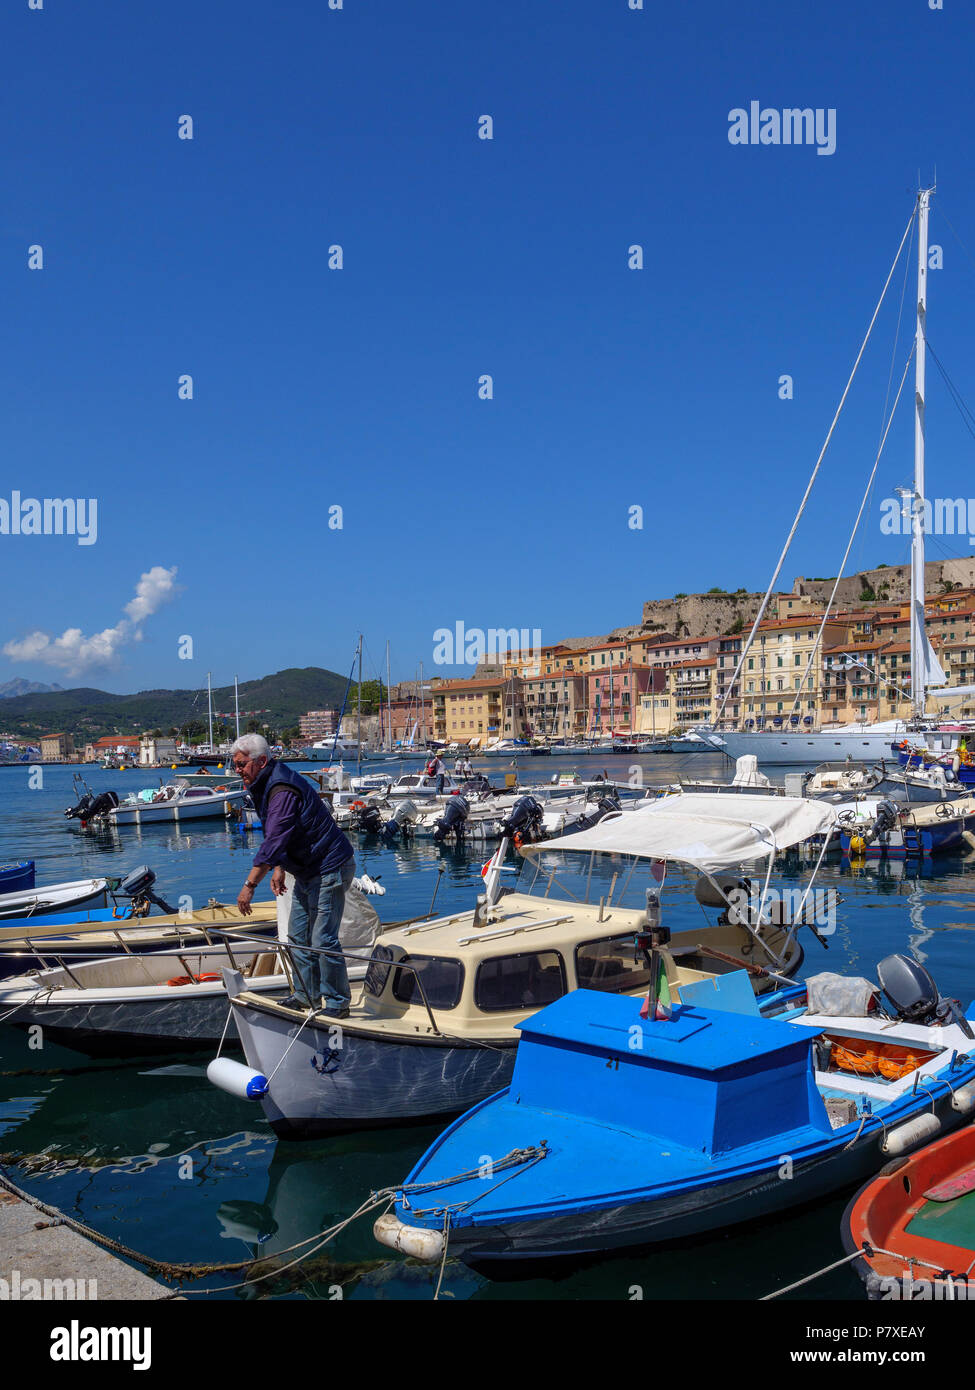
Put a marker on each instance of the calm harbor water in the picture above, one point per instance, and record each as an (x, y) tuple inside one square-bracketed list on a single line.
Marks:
[(107, 1142)]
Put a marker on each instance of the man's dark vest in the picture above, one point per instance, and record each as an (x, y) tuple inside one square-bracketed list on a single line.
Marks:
[(316, 845)]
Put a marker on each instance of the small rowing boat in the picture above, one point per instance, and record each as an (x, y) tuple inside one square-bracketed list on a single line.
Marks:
[(915, 1222)]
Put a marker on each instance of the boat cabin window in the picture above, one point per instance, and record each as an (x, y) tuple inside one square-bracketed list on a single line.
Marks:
[(378, 972), (609, 965), (526, 981), (443, 980)]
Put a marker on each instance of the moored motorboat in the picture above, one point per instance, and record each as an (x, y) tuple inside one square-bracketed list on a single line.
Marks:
[(435, 1026), (24, 943), (620, 1130), (170, 1000), (16, 878)]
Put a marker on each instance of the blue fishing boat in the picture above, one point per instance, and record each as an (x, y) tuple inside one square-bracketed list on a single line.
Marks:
[(925, 829), (17, 878), (621, 1130)]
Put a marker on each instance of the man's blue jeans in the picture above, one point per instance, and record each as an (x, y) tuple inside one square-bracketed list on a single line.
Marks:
[(316, 915)]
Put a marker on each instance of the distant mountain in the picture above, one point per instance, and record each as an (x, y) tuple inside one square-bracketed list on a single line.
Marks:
[(89, 714), (18, 686)]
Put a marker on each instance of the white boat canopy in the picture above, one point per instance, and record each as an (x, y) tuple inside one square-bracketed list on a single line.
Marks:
[(711, 831)]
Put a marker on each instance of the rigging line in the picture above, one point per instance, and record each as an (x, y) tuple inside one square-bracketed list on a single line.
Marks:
[(893, 358), (815, 473), (817, 645), (941, 208), (957, 399)]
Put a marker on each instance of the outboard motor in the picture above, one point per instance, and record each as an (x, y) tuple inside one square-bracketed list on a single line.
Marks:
[(914, 997), (602, 808), (369, 820), (884, 822), (454, 817), (138, 886), (524, 821), (104, 802), (82, 809), (401, 822)]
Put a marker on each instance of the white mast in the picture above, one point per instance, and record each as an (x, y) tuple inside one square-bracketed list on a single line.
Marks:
[(423, 712), (358, 748), (919, 642), (210, 709), (389, 706), (236, 707)]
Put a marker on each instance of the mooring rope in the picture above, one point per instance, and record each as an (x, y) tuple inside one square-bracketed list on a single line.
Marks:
[(865, 1250)]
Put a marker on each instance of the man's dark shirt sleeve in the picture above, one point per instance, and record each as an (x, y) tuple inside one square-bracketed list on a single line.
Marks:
[(281, 817)]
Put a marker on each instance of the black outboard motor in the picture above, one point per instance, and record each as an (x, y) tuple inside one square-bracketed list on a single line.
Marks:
[(884, 822), (454, 817), (105, 801), (81, 810), (369, 820), (138, 886), (602, 808), (914, 997), (524, 822)]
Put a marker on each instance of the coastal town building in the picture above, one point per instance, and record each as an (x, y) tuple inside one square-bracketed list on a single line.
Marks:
[(57, 748), (317, 724)]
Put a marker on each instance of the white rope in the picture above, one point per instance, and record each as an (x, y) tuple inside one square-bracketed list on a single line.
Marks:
[(809, 486)]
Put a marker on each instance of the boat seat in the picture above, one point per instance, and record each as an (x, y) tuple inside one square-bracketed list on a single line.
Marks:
[(265, 964)]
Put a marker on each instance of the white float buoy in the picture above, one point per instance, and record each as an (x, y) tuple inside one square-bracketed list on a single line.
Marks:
[(964, 1099), (237, 1079), (905, 1136), (417, 1241)]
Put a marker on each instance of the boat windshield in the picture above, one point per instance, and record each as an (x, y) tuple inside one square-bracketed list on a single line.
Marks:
[(621, 880)]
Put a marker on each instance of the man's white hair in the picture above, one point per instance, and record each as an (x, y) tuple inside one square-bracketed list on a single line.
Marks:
[(254, 745)]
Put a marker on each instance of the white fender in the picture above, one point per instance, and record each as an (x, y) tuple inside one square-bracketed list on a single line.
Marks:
[(236, 1079), (964, 1099), (905, 1136), (417, 1241)]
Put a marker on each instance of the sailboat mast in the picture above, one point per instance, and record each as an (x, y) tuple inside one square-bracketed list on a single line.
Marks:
[(210, 709), (918, 633), (358, 746), (423, 710), (389, 706), (236, 707)]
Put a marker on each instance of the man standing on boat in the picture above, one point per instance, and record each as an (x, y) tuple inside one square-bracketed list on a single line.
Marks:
[(300, 838)]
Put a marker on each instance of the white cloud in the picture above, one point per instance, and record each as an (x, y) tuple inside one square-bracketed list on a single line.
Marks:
[(75, 654)]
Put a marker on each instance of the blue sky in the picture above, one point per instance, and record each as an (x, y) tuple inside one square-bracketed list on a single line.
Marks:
[(358, 387)]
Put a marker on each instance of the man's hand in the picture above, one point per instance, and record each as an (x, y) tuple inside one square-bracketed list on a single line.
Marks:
[(244, 900), (278, 885)]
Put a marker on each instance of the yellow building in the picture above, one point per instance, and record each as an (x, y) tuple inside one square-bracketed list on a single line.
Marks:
[(775, 682)]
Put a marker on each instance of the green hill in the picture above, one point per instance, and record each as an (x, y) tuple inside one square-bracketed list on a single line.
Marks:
[(89, 714)]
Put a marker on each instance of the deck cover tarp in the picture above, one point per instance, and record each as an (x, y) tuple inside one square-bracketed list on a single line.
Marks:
[(711, 831)]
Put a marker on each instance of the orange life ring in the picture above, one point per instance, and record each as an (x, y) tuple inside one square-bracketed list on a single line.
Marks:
[(191, 979), (220, 789), (356, 805)]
